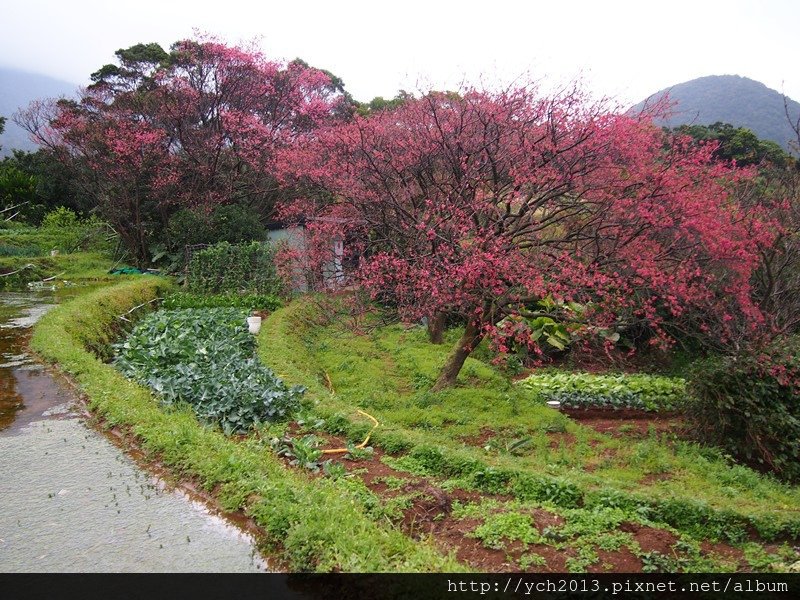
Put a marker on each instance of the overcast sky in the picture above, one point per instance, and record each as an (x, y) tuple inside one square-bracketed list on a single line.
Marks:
[(622, 49)]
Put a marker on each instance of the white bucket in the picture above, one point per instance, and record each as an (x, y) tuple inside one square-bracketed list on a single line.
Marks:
[(254, 324), (554, 404)]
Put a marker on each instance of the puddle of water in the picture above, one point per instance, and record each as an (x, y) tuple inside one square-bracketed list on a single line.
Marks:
[(26, 390), (70, 501)]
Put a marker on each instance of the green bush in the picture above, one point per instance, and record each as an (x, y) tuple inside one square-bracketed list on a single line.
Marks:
[(206, 358), (63, 230), (226, 268), (247, 301), (231, 223), (750, 406), (587, 390)]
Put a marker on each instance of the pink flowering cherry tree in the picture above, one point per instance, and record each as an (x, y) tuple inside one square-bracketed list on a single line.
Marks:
[(502, 207), (197, 126)]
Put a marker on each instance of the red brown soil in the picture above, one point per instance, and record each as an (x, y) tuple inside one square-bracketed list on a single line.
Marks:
[(480, 440), (600, 456), (654, 478), (556, 440), (628, 422), (616, 561), (725, 552), (649, 538), (429, 516)]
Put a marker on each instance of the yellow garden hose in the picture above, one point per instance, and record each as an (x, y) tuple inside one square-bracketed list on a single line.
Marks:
[(362, 444)]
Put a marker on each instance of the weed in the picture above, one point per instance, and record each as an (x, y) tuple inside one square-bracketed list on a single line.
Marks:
[(531, 559), (499, 528), (334, 470), (392, 482), (355, 453), (303, 452)]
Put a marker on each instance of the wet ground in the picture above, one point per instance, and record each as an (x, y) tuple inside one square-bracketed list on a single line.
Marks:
[(70, 501)]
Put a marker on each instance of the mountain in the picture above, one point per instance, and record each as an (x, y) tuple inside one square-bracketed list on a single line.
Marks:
[(17, 90), (740, 101)]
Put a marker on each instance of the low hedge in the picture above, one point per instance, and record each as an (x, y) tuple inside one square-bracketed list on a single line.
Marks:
[(246, 301), (318, 525), (234, 268)]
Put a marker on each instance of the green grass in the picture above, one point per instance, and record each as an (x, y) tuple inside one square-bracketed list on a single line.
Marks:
[(77, 268), (488, 435), (82, 254), (485, 434), (303, 518)]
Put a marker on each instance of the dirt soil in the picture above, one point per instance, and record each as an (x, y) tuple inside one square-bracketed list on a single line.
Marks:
[(429, 514), (628, 422)]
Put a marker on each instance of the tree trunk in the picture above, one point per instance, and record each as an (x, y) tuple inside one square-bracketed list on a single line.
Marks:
[(436, 328), (471, 338)]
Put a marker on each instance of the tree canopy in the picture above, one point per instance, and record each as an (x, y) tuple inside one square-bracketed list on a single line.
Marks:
[(737, 144), (507, 207), (197, 126)]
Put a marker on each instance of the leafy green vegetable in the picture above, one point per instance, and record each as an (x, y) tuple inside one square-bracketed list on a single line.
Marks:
[(206, 358), (584, 390)]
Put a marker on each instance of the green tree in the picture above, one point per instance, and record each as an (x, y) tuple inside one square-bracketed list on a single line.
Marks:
[(379, 103), (56, 183), (18, 194), (739, 144)]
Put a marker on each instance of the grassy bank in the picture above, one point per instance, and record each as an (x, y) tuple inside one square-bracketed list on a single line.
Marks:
[(303, 518), (500, 476), (75, 251), (78, 268), (490, 436)]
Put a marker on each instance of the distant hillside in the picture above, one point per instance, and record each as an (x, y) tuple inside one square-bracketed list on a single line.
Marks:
[(17, 90), (732, 99)]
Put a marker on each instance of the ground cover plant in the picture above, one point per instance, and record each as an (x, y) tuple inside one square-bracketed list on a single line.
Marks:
[(206, 359), (622, 390), (640, 480), (183, 299)]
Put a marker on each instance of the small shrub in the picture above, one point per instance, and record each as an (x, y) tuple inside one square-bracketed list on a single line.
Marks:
[(491, 480), (225, 268), (749, 406), (300, 452), (66, 232), (500, 528), (547, 489)]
